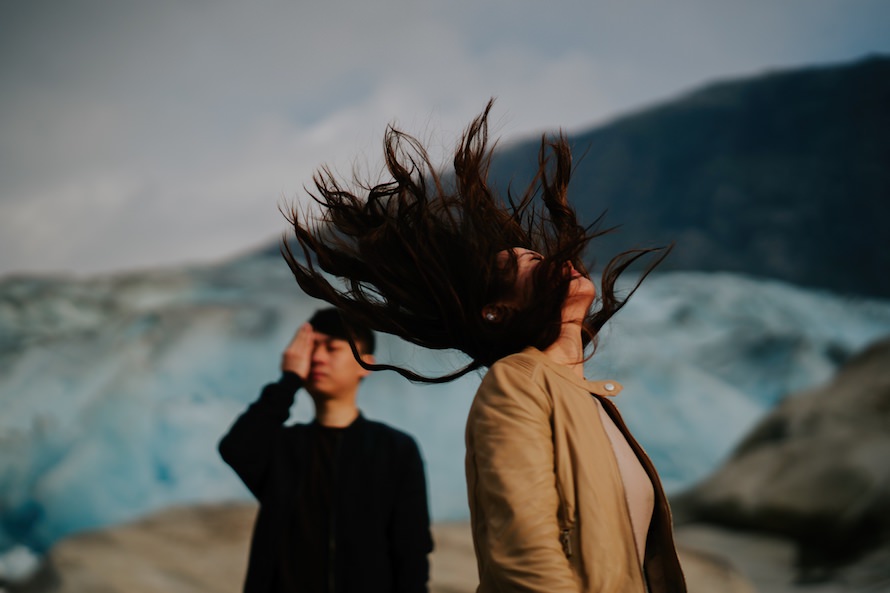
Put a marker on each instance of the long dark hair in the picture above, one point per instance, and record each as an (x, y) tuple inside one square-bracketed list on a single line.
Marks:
[(417, 256)]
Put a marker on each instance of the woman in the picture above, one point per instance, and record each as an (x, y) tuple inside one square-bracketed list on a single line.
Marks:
[(561, 496)]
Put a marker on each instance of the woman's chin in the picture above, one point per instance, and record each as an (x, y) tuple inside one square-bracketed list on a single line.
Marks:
[(582, 288)]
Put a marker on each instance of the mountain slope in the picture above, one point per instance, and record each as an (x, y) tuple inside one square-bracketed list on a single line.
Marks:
[(786, 175)]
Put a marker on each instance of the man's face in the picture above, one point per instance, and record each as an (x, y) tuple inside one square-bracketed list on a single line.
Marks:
[(334, 372)]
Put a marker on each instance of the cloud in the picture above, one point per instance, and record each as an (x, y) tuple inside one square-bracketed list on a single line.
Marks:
[(154, 133)]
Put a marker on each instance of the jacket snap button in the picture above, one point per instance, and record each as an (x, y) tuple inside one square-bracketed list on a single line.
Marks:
[(609, 386)]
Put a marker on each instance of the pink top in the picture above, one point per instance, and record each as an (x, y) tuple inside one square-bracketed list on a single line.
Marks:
[(638, 488)]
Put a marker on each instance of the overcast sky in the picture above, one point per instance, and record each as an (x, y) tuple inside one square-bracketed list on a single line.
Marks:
[(152, 133)]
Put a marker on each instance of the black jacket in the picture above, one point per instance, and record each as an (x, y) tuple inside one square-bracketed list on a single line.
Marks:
[(381, 535)]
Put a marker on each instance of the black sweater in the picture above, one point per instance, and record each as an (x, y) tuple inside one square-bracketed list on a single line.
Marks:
[(380, 535)]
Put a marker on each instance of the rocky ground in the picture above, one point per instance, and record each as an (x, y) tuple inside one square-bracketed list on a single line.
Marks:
[(204, 549), (770, 563)]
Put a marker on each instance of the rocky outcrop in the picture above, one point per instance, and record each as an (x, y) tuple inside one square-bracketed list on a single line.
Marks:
[(186, 549), (204, 549), (816, 471)]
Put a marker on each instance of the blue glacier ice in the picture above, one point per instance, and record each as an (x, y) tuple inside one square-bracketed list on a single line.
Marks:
[(114, 390)]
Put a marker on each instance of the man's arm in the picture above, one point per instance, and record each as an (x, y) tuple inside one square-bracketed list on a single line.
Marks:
[(411, 538), (250, 442)]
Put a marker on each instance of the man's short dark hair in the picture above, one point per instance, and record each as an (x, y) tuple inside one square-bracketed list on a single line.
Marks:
[(329, 321)]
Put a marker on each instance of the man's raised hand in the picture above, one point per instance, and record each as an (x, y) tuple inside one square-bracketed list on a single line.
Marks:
[(297, 357)]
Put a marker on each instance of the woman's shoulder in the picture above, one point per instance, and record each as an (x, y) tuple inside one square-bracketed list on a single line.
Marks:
[(517, 372), (532, 370), (527, 362)]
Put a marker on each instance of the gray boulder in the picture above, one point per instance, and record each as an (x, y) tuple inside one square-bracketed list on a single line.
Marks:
[(816, 470)]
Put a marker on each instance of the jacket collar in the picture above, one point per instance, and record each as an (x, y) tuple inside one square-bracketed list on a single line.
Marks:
[(605, 387)]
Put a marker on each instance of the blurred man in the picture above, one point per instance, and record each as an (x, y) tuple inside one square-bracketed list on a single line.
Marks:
[(343, 503)]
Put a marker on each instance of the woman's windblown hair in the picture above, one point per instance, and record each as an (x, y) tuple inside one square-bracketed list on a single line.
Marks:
[(416, 256)]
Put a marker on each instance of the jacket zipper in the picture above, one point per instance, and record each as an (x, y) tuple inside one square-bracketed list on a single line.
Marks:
[(565, 533), (332, 522), (332, 549), (565, 538)]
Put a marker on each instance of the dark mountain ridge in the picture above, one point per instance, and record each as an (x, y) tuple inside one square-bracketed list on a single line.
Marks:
[(784, 175)]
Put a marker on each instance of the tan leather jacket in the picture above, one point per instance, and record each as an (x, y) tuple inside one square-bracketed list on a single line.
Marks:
[(547, 501)]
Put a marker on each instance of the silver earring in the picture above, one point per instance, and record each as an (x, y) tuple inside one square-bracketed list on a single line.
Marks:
[(490, 316)]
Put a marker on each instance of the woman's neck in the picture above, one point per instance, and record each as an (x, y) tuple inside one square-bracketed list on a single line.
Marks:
[(568, 349)]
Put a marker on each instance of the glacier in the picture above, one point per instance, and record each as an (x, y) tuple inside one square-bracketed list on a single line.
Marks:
[(115, 389)]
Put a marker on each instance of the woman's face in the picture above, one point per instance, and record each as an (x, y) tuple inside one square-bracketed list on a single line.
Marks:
[(581, 289)]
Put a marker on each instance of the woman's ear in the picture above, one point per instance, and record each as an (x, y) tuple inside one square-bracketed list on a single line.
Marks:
[(494, 313)]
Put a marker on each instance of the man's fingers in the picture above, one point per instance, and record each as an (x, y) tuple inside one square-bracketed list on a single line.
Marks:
[(302, 336), (298, 354)]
